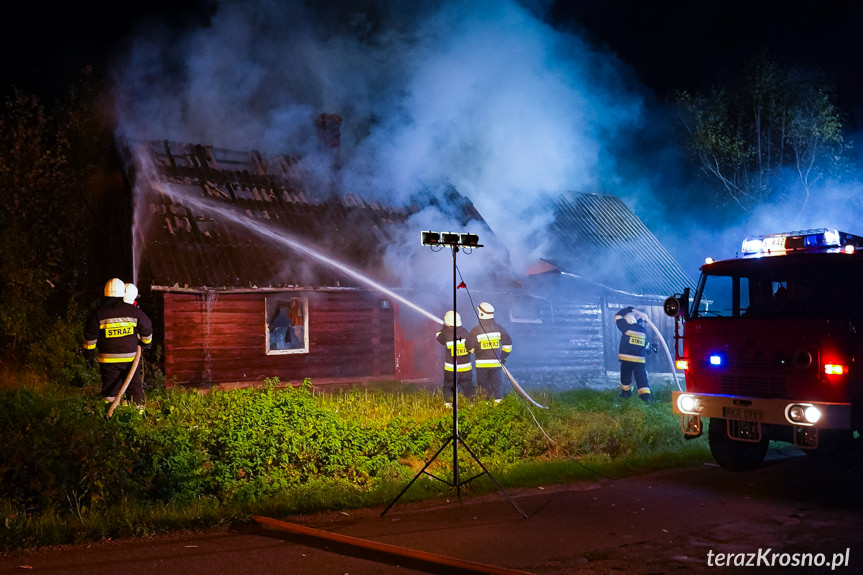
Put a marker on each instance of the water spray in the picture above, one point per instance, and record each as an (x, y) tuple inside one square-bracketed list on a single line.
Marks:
[(293, 243)]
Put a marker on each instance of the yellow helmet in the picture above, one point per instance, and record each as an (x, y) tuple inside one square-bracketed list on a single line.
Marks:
[(115, 288)]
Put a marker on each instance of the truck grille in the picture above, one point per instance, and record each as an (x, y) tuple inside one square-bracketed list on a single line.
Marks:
[(753, 386)]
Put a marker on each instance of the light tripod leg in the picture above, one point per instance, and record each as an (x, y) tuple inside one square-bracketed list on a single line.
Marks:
[(421, 471), (486, 471)]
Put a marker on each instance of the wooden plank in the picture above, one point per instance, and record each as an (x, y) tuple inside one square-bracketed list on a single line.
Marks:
[(443, 562)]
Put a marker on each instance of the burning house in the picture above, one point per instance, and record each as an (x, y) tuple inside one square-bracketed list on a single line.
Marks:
[(250, 273), (243, 267)]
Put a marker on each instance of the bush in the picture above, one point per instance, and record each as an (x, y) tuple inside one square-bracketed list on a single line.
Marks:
[(189, 455)]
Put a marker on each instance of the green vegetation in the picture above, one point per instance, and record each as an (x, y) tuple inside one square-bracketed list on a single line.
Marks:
[(777, 134), (68, 474)]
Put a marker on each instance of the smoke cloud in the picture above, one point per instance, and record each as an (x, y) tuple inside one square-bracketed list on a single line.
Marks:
[(486, 96), (482, 95)]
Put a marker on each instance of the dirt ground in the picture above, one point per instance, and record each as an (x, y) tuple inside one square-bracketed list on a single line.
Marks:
[(794, 509)]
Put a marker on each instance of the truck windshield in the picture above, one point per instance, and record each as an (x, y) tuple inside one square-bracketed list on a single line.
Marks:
[(779, 293)]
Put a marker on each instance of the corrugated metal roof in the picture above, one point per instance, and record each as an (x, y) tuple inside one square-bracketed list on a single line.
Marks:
[(598, 237), (222, 219)]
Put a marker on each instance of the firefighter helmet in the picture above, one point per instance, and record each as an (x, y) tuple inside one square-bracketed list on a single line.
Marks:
[(448, 318), (115, 288), (486, 310), (131, 293)]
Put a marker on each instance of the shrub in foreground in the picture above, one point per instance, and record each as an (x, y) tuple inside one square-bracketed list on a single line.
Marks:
[(67, 473)]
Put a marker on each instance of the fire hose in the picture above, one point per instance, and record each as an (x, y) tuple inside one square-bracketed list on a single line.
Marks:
[(126, 383), (519, 388), (661, 339)]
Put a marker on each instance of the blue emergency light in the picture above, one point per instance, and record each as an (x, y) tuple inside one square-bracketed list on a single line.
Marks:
[(715, 360), (820, 240)]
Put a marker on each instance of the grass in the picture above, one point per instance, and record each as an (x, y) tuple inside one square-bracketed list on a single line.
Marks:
[(195, 461)]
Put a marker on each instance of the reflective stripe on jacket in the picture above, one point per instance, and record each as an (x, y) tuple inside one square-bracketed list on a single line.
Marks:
[(445, 338), (490, 343), (633, 338), (115, 328)]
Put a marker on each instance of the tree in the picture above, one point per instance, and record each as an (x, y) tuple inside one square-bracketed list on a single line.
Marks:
[(48, 157), (776, 135)]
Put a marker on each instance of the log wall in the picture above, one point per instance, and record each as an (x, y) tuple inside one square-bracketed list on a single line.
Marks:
[(212, 339)]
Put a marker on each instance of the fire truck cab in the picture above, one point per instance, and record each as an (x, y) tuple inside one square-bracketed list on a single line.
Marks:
[(770, 344)]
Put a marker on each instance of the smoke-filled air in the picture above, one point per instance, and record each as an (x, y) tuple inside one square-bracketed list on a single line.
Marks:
[(486, 96)]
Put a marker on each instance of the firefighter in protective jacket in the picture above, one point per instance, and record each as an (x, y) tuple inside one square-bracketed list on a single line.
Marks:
[(491, 345), (116, 328), (632, 351), (453, 336)]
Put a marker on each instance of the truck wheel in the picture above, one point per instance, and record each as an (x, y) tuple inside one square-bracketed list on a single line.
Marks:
[(731, 454)]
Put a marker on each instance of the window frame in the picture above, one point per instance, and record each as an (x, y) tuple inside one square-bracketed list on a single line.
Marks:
[(271, 305)]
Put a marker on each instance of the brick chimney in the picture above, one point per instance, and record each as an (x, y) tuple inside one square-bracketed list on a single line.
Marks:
[(329, 130)]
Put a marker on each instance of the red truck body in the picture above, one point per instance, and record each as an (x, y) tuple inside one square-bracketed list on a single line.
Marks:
[(771, 347)]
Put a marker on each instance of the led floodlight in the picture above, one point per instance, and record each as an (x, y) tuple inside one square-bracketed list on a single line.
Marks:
[(449, 238), (430, 238)]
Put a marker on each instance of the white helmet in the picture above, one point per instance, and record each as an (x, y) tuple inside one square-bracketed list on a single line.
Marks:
[(131, 293), (486, 310), (115, 288), (448, 318)]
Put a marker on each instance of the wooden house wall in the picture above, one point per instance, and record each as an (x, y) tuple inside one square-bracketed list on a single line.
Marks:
[(569, 336), (579, 334), (419, 357), (217, 338)]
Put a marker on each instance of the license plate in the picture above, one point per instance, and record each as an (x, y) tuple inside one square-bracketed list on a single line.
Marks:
[(743, 413)]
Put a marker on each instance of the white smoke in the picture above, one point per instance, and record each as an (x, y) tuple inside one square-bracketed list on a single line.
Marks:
[(481, 94)]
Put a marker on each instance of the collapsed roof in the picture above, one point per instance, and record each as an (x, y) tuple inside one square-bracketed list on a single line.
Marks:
[(212, 218)]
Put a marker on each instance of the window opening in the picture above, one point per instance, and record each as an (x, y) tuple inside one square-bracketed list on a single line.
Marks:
[(287, 325)]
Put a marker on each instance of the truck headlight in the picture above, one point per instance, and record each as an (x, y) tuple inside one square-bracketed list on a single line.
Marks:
[(802, 413), (689, 404)]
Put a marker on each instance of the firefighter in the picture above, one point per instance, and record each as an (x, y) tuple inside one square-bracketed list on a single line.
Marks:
[(460, 361), (116, 328), (632, 351), (491, 345)]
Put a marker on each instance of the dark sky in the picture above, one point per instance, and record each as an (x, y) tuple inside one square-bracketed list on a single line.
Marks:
[(701, 43), (46, 44), (669, 44)]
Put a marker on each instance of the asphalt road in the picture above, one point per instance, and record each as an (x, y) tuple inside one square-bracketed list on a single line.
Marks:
[(794, 510)]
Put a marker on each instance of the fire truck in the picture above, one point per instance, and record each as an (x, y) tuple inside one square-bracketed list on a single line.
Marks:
[(771, 345)]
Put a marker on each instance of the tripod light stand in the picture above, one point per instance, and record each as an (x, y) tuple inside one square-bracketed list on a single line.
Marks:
[(454, 241)]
